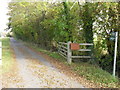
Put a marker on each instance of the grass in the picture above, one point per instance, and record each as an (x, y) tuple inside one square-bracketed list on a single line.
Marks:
[(6, 55), (95, 74), (91, 72)]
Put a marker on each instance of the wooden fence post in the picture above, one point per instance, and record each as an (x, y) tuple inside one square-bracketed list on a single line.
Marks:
[(69, 53)]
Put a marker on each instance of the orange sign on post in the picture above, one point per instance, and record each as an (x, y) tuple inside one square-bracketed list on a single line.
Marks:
[(74, 46)]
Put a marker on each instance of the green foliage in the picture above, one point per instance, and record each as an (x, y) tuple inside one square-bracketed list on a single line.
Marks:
[(96, 75), (45, 24), (9, 35), (6, 55)]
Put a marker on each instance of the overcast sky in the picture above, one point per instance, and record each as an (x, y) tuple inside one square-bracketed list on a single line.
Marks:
[(3, 12)]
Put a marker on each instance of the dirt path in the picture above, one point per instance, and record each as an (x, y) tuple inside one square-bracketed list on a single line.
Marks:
[(33, 71)]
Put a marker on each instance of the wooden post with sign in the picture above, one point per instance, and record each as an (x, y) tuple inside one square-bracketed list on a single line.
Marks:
[(69, 53)]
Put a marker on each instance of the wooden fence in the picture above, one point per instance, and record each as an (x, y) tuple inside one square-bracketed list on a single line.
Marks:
[(65, 51)]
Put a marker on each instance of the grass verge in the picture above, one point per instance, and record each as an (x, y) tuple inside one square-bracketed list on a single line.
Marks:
[(92, 73), (6, 55)]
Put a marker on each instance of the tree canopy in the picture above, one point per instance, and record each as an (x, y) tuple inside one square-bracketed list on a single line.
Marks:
[(46, 24)]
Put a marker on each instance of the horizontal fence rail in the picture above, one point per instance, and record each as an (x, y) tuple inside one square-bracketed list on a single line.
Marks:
[(86, 44), (63, 43), (84, 50), (65, 51), (81, 56)]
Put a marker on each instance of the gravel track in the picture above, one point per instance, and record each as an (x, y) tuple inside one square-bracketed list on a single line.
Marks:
[(36, 72)]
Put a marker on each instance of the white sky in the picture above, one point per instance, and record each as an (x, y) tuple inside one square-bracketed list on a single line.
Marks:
[(3, 12)]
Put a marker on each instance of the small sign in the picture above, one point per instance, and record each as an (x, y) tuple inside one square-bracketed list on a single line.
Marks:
[(112, 36), (74, 46)]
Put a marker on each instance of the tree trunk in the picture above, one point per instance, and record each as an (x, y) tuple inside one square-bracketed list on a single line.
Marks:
[(67, 19)]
